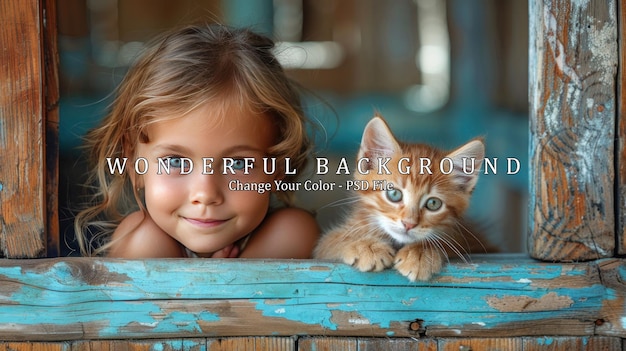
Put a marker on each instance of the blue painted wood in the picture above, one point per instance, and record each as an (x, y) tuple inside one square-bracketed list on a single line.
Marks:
[(78, 298)]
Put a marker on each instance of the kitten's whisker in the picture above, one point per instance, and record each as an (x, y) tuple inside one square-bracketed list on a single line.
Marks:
[(462, 251), (458, 250), (340, 202), (453, 244), (366, 227), (436, 241), (460, 224), (428, 243), (467, 243), (451, 240)]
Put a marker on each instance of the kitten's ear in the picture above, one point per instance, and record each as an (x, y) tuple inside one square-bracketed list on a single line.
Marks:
[(377, 141), (467, 160)]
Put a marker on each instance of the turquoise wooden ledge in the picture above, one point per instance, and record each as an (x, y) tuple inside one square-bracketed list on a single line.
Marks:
[(501, 295)]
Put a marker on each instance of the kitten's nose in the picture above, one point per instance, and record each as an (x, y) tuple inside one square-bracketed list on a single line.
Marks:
[(409, 225)]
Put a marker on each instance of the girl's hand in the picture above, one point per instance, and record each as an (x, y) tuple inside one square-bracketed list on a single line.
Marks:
[(230, 251)]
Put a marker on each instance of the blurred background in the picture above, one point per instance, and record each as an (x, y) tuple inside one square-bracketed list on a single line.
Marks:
[(439, 71)]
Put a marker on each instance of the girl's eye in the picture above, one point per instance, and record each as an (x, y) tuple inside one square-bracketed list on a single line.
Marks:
[(394, 195), (239, 164), (175, 162), (433, 203)]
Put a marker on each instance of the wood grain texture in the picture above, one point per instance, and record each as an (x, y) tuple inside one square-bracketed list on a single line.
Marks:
[(22, 136), (321, 343), (475, 344), (51, 115), (572, 344), (140, 345), (83, 298), (573, 65), (255, 343), (396, 344), (327, 344), (37, 346), (621, 128), (613, 275)]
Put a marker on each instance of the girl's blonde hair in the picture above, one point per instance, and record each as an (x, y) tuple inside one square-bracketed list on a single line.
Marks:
[(180, 71)]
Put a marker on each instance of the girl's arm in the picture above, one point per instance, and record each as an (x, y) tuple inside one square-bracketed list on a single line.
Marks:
[(286, 233), (137, 236)]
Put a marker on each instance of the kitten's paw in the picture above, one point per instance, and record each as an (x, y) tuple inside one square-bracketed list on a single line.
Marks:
[(369, 256), (417, 262)]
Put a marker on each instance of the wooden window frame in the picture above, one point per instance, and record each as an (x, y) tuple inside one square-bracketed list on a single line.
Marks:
[(576, 223)]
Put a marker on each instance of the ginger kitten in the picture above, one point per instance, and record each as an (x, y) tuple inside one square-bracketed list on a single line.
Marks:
[(415, 225)]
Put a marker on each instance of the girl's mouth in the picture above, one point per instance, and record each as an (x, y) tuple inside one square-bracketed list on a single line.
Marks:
[(205, 222)]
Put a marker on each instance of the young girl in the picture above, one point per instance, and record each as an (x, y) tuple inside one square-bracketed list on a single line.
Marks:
[(216, 98)]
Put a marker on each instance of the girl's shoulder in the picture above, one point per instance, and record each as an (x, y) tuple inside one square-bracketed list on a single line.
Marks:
[(286, 233), (299, 217), (137, 236)]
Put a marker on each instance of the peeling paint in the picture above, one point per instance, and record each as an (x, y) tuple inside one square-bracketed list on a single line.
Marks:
[(572, 70), (587, 143), (594, 247), (545, 341), (193, 297), (557, 48), (603, 42), (548, 302), (361, 321)]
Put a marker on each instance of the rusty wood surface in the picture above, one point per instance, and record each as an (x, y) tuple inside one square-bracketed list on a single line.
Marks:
[(22, 131), (315, 343), (573, 67), (544, 343), (51, 115), (621, 137), (496, 296), (481, 344), (613, 273), (37, 346), (572, 344), (319, 343), (251, 343)]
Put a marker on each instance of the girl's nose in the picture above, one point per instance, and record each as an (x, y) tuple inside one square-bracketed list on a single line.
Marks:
[(206, 189)]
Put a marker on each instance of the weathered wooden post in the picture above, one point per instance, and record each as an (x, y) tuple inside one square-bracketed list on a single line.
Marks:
[(28, 121), (621, 130), (572, 80)]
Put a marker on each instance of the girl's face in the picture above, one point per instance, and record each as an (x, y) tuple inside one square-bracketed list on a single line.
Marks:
[(197, 209)]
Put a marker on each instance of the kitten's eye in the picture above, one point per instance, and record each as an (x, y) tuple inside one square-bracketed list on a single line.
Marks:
[(394, 195), (433, 203)]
